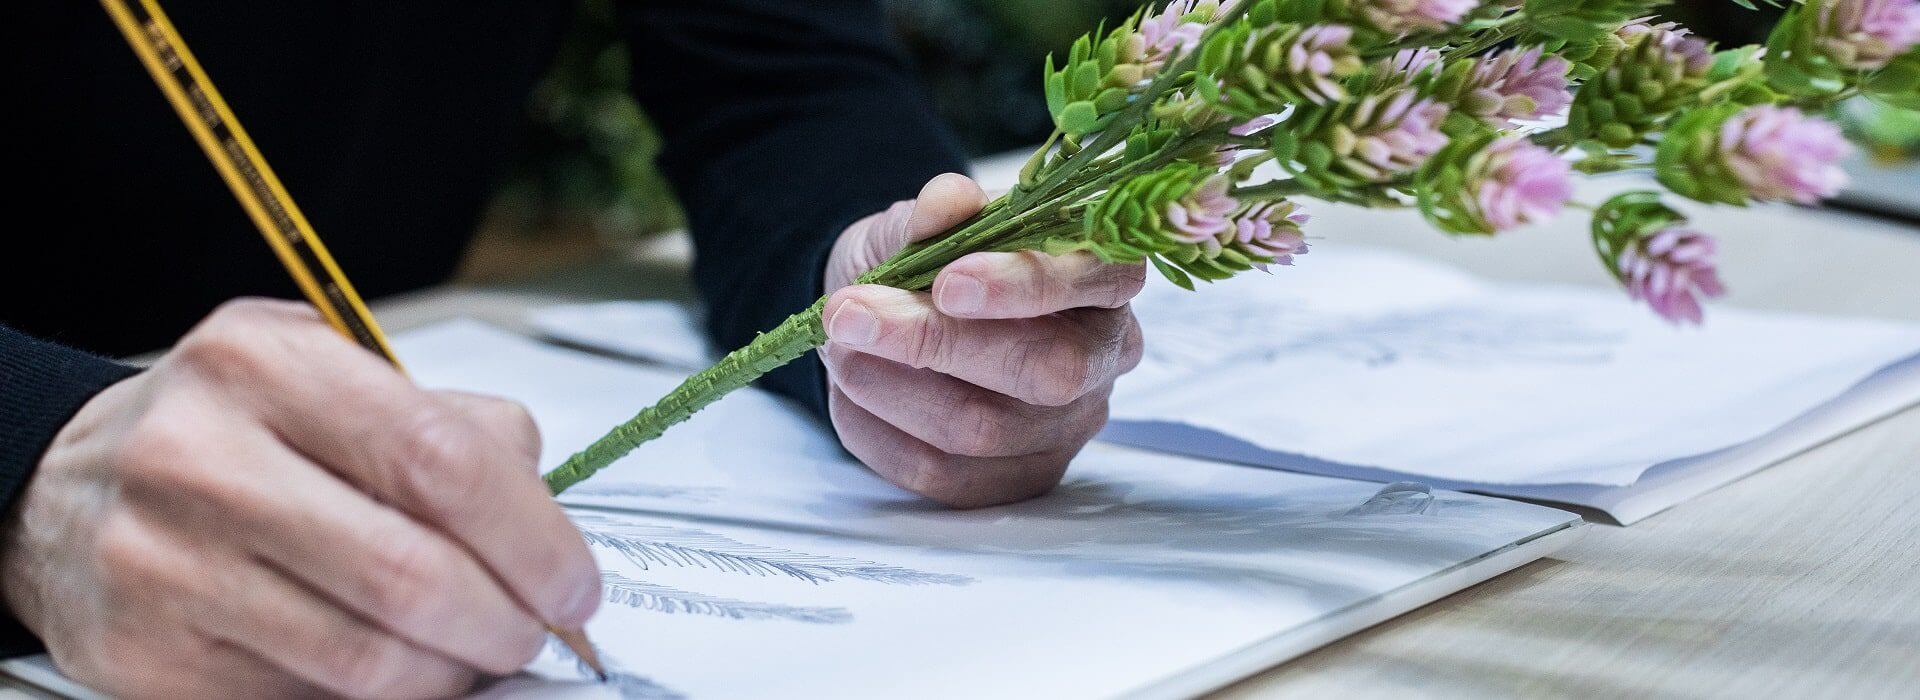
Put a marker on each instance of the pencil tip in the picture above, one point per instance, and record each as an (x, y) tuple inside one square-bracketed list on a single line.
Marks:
[(582, 647)]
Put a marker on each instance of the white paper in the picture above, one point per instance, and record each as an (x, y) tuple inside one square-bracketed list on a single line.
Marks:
[(748, 557), (1359, 363), (1376, 360), (664, 332)]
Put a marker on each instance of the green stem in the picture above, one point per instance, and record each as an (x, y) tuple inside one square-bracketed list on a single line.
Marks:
[(787, 342), (1021, 219)]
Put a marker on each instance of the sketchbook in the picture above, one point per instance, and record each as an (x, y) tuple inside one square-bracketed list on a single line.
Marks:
[(744, 555), (1374, 365)]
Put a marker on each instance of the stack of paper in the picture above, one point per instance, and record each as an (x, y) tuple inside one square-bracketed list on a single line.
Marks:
[(746, 556), (1374, 365)]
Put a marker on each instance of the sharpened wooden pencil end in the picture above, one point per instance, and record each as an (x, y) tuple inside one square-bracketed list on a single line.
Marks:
[(582, 647)]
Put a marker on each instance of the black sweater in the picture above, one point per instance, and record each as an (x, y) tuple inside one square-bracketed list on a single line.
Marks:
[(389, 122)]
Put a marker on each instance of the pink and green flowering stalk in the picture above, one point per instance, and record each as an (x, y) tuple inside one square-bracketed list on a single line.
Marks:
[(1670, 270), (1671, 44), (1781, 154), (1388, 134), (1516, 183), (1269, 233), (1318, 58), (1405, 17), (1175, 30), (1204, 214), (1517, 85), (1866, 34), (1660, 72), (1406, 64)]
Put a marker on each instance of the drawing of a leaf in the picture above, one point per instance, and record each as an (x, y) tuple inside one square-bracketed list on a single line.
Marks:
[(648, 545), (666, 599)]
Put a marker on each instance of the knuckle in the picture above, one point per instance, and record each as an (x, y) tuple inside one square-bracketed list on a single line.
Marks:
[(1062, 374), (931, 346), (405, 581), (126, 556), (157, 449), (1123, 286), (517, 424), (435, 460), (941, 478), (976, 428), (368, 666)]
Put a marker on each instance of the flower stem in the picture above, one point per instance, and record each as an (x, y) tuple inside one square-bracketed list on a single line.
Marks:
[(1020, 219), (785, 343)]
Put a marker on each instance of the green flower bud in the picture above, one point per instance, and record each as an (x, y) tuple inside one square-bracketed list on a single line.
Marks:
[(1662, 70)]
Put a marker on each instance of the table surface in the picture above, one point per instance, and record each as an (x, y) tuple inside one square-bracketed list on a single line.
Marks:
[(1800, 580)]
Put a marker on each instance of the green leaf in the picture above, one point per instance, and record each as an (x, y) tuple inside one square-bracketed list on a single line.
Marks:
[(1080, 118), (1173, 274)]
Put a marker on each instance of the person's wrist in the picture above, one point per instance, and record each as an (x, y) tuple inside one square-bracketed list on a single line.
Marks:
[(22, 551), (19, 596)]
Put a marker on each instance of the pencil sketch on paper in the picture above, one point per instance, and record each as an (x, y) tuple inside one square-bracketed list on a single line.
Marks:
[(1463, 335), (621, 590), (649, 545), (629, 686)]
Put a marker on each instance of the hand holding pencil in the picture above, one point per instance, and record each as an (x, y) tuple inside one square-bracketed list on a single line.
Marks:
[(271, 510), (287, 512)]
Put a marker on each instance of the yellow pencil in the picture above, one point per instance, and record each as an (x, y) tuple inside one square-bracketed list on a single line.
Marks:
[(200, 107)]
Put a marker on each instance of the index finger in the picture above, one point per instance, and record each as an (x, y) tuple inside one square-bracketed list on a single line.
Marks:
[(1032, 283), (466, 470)]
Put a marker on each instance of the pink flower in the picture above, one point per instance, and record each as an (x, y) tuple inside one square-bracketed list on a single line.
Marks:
[(1253, 126), (1780, 154), (1319, 56), (1390, 133), (1670, 270), (1227, 154), (1674, 44), (1515, 85), (1203, 214), (1406, 64), (1412, 16), (1641, 25), (1516, 182), (1175, 30), (1269, 230), (1868, 33)]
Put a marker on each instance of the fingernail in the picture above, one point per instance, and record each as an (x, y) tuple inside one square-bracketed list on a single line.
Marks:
[(581, 605), (962, 294), (854, 324)]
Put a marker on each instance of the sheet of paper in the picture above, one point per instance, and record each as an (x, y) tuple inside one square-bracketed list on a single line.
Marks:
[(1372, 359), (1362, 363), (745, 556), (658, 331)]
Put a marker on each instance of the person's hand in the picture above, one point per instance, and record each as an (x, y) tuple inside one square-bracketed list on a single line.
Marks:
[(271, 511), (980, 392)]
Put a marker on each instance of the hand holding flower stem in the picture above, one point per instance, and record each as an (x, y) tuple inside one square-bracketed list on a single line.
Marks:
[(1163, 121)]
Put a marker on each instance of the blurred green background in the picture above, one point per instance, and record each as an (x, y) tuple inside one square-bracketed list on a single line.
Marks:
[(586, 169)]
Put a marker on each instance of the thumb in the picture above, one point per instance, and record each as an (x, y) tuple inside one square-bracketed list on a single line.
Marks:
[(945, 202)]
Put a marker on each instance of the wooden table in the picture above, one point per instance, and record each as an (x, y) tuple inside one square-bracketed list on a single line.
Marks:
[(1802, 580)]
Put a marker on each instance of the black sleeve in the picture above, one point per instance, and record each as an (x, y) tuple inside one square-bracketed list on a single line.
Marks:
[(41, 386), (783, 122)]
